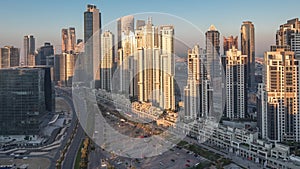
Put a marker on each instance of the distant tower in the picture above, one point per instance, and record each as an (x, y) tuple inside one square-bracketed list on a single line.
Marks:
[(229, 42), (107, 60), (213, 52), (9, 57), (125, 25), (92, 39), (29, 50), (248, 48), (68, 57), (43, 53)]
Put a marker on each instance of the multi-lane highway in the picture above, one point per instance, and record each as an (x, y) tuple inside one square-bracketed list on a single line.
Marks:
[(70, 156)]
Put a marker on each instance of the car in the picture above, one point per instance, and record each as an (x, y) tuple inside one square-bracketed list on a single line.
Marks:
[(172, 160), (188, 152), (188, 161), (187, 165)]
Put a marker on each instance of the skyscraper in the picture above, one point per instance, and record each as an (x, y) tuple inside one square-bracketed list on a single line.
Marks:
[(192, 90), (107, 60), (167, 67), (29, 50), (248, 48), (288, 34), (43, 52), (236, 87), (68, 57), (9, 57), (213, 53), (92, 39), (280, 116), (140, 23), (229, 42), (127, 64), (148, 47), (125, 25)]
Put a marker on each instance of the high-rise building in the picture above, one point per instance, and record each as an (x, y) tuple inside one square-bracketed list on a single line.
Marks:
[(125, 25), (92, 39), (53, 62), (147, 45), (192, 90), (140, 23), (67, 63), (236, 87), (295, 44), (27, 97), (107, 60), (284, 34), (128, 64), (229, 42), (213, 53), (167, 68), (288, 34), (43, 52), (29, 51), (9, 57), (68, 37), (280, 114), (248, 48), (68, 57), (261, 112), (146, 65)]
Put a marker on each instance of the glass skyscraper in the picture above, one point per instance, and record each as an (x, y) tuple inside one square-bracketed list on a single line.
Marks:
[(26, 96)]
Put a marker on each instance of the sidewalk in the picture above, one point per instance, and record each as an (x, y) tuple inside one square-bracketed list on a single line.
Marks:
[(236, 159)]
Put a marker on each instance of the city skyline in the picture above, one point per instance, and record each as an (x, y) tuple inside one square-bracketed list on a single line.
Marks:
[(226, 21)]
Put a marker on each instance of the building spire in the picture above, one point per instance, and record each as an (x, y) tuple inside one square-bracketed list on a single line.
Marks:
[(212, 28)]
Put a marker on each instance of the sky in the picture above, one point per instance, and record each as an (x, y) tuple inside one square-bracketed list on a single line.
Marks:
[(45, 19)]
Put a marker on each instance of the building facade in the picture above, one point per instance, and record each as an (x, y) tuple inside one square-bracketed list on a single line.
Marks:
[(29, 51), (28, 96), (68, 57), (107, 60), (193, 103), (248, 48), (281, 86), (213, 53), (92, 39), (43, 53), (236, 88), (9, 57)]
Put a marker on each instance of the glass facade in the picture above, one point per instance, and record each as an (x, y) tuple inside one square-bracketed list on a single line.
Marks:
[(25, 99)]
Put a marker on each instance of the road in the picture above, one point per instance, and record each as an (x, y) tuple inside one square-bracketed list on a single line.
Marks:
[(75, 144), (70, 156)]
